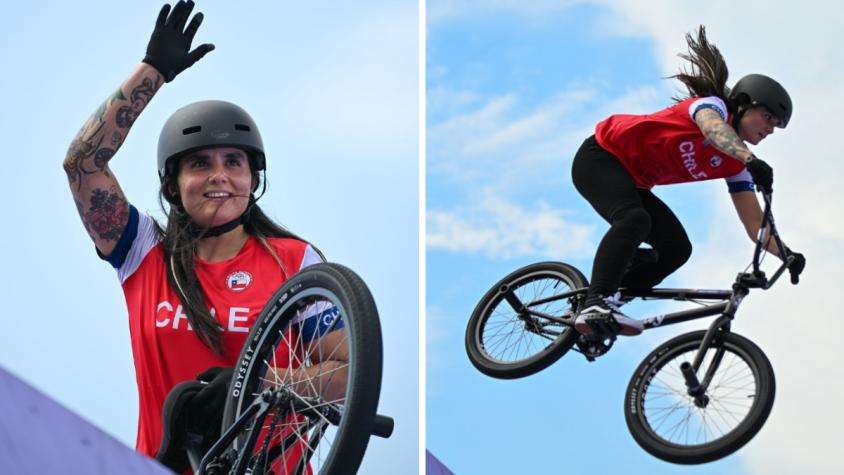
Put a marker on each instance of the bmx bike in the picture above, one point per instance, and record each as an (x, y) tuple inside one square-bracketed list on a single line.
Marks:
[(697, 398), (305, 388)]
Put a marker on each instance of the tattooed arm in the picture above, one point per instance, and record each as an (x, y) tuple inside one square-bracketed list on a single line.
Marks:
[(721, 135), (724, 138), (99, 199)]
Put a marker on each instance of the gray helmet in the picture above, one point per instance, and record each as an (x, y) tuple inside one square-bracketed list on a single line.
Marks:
[(764, 91), (208, 124)]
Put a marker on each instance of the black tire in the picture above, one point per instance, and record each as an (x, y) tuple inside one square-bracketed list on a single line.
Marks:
[(341, 295), (503, 342), (741, 395)]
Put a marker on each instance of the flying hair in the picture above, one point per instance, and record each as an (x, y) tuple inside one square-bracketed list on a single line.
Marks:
[(707, 72)]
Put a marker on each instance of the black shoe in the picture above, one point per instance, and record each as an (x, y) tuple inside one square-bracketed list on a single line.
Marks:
[(606, 319)]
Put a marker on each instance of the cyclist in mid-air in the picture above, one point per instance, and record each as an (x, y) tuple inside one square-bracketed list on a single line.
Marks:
[(195, 286), (701, 137)]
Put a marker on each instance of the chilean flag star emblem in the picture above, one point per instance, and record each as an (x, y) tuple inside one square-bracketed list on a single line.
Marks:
[(715, 161), (238, 281)]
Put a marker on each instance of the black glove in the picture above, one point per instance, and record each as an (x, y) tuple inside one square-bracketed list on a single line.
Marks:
[(762, 173), (204, 413), (797, 265), (168, 50)]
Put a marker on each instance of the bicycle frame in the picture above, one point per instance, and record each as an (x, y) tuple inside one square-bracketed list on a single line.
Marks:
[(257, 412), (730, 299), (526, 322), (744, 282), (650, 294)]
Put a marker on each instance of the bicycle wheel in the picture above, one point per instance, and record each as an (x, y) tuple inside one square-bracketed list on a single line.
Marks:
[(318, 341), (505, 340), (665, 420)]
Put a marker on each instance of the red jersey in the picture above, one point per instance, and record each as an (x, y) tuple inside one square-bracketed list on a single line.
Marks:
[(668, 147), (165, 349)]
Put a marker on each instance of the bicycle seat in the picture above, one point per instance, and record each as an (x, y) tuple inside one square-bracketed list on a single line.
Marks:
[(174, 436)]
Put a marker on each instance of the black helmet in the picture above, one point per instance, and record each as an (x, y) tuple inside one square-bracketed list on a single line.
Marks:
[(764, 91), (208, 124)]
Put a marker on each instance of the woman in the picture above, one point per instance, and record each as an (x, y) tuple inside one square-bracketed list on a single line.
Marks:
[(701, 137), (195, 286)]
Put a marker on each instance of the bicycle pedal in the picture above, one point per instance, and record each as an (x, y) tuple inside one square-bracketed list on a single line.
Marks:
[(592, 346), (605, 328)]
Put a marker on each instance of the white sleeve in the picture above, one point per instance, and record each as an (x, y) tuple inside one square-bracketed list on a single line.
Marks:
[(137, 239), (311, 257), (145, 240), (318, 318), (711, 102), (740, 182)]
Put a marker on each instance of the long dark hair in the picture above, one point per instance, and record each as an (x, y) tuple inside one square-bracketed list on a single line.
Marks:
[(179, 242), (707, 74)]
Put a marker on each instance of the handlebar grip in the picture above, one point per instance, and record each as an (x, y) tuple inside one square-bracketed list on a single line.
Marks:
[(383, 426)]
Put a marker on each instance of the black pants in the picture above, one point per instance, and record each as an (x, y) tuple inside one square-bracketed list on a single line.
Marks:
[(635, 215)]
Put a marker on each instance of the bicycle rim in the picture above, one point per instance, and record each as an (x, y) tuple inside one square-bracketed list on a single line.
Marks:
[(330, 384), (510, 337), (672, 418)]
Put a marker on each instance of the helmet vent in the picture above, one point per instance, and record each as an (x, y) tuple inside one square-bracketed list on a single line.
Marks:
[(192, 130), (242, 127)]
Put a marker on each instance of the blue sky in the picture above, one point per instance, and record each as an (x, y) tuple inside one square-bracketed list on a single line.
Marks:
[(513, 88), (334, 89)]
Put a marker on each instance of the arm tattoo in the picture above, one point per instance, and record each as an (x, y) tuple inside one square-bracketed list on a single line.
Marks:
[(82, 215), (141, 95), (721, 135), (107, 216), (102, 157), (79, 150), (90, 150), (116, 140), (100, 112)]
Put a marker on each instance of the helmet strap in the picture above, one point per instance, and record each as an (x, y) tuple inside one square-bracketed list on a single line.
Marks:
[(214, 231), (737, 118), (197, 232)]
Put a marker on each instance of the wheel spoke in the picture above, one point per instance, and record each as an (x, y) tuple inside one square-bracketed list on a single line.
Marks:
[(671, 415), (509, 337), (304, 357)]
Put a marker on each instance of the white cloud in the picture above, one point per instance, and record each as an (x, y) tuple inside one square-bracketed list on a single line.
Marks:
[(538, 124), (444, 101), (502, 230), (791, 40), (509, 148), (504, 144), (795, 326)]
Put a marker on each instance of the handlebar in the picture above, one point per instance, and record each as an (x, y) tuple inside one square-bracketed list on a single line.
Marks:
[(382, 425), (762, 240)]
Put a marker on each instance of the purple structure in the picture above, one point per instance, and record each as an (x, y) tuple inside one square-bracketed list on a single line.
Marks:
[(434, 467), (38, 436)]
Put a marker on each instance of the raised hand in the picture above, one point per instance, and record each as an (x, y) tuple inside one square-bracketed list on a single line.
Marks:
[(168, 50)]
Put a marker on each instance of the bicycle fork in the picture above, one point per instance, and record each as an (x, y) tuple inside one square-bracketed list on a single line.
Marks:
[(695, 387)]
